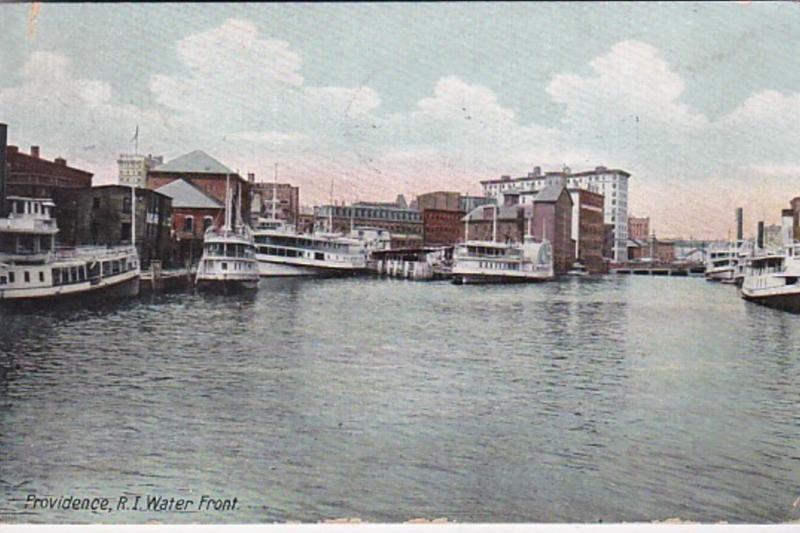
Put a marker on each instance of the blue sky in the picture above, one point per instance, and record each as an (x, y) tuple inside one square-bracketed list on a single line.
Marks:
[(699, 101)]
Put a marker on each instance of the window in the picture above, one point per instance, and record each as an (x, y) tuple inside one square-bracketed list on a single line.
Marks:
[(95, 202), (41, 276), (27, 277), (188, 224), (224, 266), (125, 231), (207, 221), (126, 204), (11, 277)]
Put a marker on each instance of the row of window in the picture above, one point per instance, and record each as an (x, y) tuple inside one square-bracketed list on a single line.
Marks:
[(499, 266), (188, 223)]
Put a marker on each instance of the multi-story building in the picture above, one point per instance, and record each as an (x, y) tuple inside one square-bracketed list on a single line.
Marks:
[(441, 218), (33, 176), (442, 227), (193, 212), (611, 183), (587, 228), (404, 224), (133, 168), (284, 196), (638, 228), (105, 218), (203, 172)]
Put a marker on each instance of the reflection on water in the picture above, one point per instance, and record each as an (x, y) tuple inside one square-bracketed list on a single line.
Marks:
[(613, 399)]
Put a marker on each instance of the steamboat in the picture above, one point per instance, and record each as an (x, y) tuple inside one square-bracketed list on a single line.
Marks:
[(33, 269)]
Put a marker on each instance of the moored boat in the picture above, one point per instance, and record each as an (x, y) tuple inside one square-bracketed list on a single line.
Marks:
[(228, 263), (32, 269), (772, 279), (495, 262)]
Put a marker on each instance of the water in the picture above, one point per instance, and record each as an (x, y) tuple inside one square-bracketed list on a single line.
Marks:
[(613, 399)]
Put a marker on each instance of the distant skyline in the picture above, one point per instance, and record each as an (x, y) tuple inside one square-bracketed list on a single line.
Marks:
[(700, 102)]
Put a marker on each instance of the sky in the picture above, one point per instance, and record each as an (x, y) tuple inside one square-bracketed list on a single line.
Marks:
[(699, 102)]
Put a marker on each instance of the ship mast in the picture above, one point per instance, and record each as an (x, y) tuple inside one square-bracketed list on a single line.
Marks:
[(227, 202), (494, 224)]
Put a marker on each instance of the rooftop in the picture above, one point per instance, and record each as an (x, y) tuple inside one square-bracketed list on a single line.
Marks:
[(197, 162), (186, 195), (597, 170)]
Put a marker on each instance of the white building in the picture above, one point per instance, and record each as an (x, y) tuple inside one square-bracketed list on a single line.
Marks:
[(133, 168), (611, 183)]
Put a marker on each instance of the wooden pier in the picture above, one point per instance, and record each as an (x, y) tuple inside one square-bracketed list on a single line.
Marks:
[(157, 280)]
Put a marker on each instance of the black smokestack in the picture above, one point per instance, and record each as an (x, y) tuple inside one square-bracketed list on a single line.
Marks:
[(739, 224), (761, 234), (3, 168)]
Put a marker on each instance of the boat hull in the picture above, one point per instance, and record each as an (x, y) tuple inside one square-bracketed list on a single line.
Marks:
[(227, 286), (126, 287), (481, 279), (785, 301), (267, 269)]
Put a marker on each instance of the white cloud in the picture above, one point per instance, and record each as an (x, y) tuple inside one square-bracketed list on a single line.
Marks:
[(631, 80)]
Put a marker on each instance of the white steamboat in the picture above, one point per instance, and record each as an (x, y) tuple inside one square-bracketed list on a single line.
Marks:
[(726, 263), (772, 279), (498, 262), (229, 261), (33, 270)]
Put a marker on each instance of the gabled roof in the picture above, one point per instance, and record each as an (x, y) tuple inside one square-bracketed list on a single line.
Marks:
[(186, 195), (197, 162), (551, 193)]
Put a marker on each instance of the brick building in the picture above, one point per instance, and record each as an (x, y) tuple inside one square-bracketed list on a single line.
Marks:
[(587, 228), (204, 173), (552, 218), (33, 176), (193, 211), (286, 198), (442, 216), (639, 228), (105, 218), (442, 227)]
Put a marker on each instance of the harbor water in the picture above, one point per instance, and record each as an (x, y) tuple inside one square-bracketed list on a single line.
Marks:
[(620, 398)]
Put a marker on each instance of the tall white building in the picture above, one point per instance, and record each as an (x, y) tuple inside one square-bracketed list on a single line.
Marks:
[(133, 168), (611, 183)]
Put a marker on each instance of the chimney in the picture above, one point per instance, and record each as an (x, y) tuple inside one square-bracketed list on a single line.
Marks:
[(787, 226), (760, 235), (740, 224), (537, 171), (60, 161), (3, 168), (251, 177), (35, 152)]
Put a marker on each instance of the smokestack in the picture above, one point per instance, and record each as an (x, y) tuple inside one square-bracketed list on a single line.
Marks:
[(760, 235), (740, 224), (3, 168), (787, 226), (251, 177), (35, 152)]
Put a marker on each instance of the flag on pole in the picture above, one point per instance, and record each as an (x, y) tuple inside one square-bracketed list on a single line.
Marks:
[(136, 135)]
